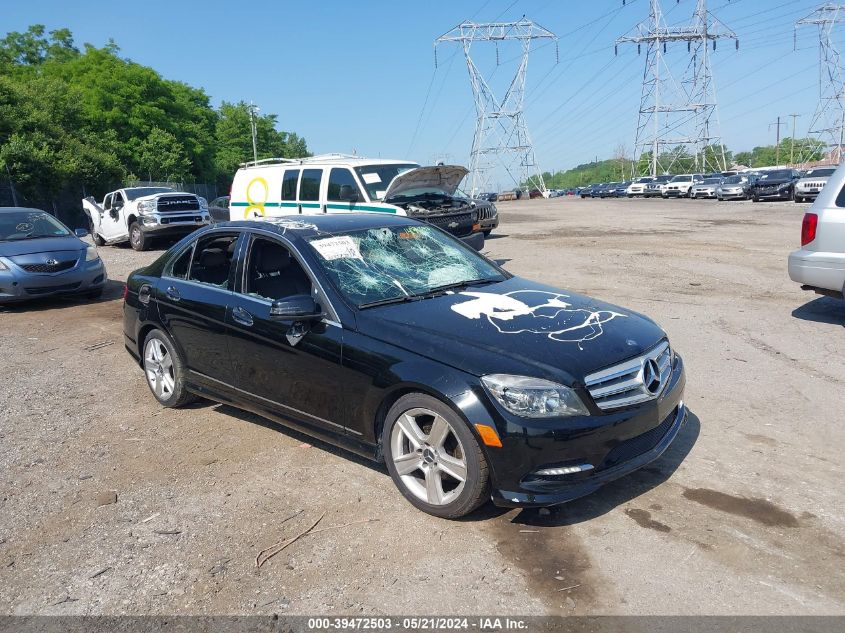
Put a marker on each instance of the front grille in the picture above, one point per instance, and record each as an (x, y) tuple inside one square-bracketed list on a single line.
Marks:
[(636, 446), (485, 213), (47, 289), (623, 384), (48, 268), (169, 204), (459, 225)]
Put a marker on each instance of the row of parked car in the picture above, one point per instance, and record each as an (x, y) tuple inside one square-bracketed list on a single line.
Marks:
[(774, 184)]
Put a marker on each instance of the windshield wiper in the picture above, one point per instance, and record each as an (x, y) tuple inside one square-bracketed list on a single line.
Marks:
[(384, 302), (458, 284)]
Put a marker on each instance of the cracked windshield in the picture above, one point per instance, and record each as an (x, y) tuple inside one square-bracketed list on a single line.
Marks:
[(390, 265)]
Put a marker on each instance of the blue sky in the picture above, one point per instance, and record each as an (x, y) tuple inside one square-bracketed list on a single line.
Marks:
[(361, 76)]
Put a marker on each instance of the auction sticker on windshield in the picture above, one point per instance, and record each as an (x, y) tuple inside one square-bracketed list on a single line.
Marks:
[(341, 247)]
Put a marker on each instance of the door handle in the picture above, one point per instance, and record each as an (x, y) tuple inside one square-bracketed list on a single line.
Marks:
[(242, 316), (172, 293)]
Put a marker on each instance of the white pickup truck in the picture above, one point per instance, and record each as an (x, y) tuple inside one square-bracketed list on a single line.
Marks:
[(140, 214)]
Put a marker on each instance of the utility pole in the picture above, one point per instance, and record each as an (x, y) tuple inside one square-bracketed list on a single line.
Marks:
[(792, 143), (687, 106), (777, 125), (828, 122), (501, 134), (253, 111)]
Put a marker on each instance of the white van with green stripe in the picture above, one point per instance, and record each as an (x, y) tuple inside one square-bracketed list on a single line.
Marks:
[(337, 183)]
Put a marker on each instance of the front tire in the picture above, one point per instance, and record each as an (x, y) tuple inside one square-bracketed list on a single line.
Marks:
[(165, 370), (138, 240), (434, 458)]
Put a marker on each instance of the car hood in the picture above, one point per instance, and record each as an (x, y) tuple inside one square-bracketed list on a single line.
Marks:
[(515, 327), (41, 245), (445, 177)]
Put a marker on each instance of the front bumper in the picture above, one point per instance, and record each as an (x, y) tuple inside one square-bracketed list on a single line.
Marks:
[(811, 193), (780, 194), (476, 240), (614, 443), (675, 193), (178, 223), (704, 193), (732, 195), (17, 284), (818, 270)]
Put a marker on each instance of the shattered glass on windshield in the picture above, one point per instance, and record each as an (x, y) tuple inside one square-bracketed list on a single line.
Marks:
[(383, 264)]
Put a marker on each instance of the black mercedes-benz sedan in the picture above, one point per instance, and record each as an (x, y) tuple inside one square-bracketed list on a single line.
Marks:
[(392, 339)]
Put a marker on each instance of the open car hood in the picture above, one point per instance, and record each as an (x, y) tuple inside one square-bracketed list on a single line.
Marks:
[(445, 177)]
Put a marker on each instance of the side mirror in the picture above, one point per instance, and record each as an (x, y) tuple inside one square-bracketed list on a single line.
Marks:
[(348, 193), (296, 308), (80, 232)]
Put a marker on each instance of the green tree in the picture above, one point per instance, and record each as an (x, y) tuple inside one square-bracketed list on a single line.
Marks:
[(162, 157), (78, 121), (233, 136)]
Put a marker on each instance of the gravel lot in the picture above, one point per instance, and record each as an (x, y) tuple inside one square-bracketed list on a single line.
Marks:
[(742, 515)]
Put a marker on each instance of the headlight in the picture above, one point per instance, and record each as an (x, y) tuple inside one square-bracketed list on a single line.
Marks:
[(147, 206), (91, 254), (533, 397), (3, 266), (203, 202)]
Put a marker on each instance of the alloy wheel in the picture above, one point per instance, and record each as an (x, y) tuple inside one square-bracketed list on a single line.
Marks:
[(158, 367), (428, 456), (135, 236)]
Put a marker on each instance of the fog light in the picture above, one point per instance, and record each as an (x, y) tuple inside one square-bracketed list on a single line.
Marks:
[(565, 470)]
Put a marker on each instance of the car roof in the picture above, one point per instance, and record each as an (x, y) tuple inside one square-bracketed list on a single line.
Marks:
[(19, 209), (306, 226)]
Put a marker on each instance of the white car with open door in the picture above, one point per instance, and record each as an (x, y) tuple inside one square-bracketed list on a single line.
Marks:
[(140, 214)]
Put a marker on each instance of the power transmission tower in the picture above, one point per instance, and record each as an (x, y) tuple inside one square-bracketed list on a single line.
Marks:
[(828, 122), (501, 134), (679, 112)]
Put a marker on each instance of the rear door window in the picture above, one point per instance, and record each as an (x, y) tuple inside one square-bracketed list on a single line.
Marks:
[(309, 185), (212, 261)]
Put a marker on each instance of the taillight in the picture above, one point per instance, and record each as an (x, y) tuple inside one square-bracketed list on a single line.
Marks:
[(125, 292), (808, 228)]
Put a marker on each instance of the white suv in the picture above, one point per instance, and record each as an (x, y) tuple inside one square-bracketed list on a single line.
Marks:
[(681, 185), (819, 264)]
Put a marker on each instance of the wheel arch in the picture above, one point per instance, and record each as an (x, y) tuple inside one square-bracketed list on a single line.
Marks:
[(450, 388)]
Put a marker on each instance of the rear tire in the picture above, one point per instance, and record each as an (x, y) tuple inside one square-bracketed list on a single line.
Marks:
[(164, 370), (428, 448), (99, 241)]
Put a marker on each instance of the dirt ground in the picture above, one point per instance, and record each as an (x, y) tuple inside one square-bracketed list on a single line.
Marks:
[(743, 515)]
